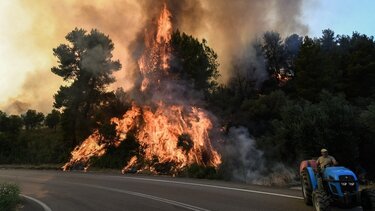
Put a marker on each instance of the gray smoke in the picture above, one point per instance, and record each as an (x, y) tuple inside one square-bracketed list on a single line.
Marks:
[(250, 65), (246, 163), (231, 27)]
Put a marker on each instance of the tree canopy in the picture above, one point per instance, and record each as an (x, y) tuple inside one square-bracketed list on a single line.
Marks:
[(53, 119), (327, 102), (86, 64), (32, 119), (194, 61)]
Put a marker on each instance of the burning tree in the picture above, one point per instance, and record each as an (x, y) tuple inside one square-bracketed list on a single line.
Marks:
[(165, 115), (280, 56)]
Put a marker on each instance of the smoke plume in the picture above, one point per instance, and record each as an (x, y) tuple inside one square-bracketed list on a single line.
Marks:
[(246, 163), (231, 26), (228, 26)]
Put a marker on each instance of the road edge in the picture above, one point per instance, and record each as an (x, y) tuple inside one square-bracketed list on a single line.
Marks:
[(40, 203)]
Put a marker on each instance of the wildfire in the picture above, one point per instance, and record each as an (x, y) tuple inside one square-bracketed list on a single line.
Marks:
[(163, 129), (95, 146), (176, 135), (164, 33), (89, 148), (283, 76), (131, 163)]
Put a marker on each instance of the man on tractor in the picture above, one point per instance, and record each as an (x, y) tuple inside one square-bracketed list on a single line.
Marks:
[(325, 185), (325, 160)]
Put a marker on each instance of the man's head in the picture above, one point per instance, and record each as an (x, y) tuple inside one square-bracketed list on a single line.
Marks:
[(324, 152)]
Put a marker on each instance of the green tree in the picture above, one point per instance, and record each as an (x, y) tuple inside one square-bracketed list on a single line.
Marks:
[(306, 74), (368, 117), (3, 121), (222, 102), (86, 63), (292, 46), (32, 119), (194, 61), (358, 65), (305, 128), (312, 75), (12, 123), (336, 64), (328, 40), (273, 49), (367, 143), (53, 119), (15, 124), (257, 114)]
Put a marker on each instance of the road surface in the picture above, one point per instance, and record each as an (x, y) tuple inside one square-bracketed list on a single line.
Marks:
[(104, 191)]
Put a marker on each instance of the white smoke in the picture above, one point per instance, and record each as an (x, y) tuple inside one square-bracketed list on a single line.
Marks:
[(247, 163)]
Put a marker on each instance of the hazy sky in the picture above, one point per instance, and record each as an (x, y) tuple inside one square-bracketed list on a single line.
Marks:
[(28, 32)]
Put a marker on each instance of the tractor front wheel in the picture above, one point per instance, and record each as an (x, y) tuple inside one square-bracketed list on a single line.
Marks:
[(321, 200), (306, 187), (368, 199)]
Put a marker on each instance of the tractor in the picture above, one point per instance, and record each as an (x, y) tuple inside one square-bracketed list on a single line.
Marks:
[(333, 186)]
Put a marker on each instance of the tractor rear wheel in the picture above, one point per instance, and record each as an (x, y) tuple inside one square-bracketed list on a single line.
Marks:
[(306, 187), (368, 199), (321, 200)]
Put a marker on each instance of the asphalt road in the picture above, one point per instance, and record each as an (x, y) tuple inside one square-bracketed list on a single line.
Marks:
[(104, 191)]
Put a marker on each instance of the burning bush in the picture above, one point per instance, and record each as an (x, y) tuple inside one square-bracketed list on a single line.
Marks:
[(185, 142), (118, 157)]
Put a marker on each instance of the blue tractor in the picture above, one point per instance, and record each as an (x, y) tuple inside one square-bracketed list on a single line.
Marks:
[(333, 186)]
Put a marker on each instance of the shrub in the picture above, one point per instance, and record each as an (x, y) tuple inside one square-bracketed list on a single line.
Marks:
[(9, 196)]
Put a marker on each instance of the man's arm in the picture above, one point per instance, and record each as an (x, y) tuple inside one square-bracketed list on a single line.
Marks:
[(334, 162), (318, 162)]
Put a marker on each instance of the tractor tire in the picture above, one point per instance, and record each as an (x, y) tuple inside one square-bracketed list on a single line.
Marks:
[(321, 200), (306, 187), (368, 199)]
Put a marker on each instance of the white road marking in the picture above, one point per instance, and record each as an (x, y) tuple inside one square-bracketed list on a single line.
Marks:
[(168, 201), (45, 207), (215, 186)]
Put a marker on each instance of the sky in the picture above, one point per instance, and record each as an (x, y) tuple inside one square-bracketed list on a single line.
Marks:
[(342, 16), (26, 47)]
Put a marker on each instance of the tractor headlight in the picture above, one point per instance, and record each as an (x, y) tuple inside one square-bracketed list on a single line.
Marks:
[(344, 183), (351, 183)]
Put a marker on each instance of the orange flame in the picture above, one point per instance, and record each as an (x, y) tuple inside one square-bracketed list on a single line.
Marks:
[(131, 163), (164, 33), (160, 135), (94, 146), (158, 51), (91, 147), (283, 76), (161, 128)]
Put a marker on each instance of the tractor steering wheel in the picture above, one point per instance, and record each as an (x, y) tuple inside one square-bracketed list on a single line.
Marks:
[(328, 165)]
